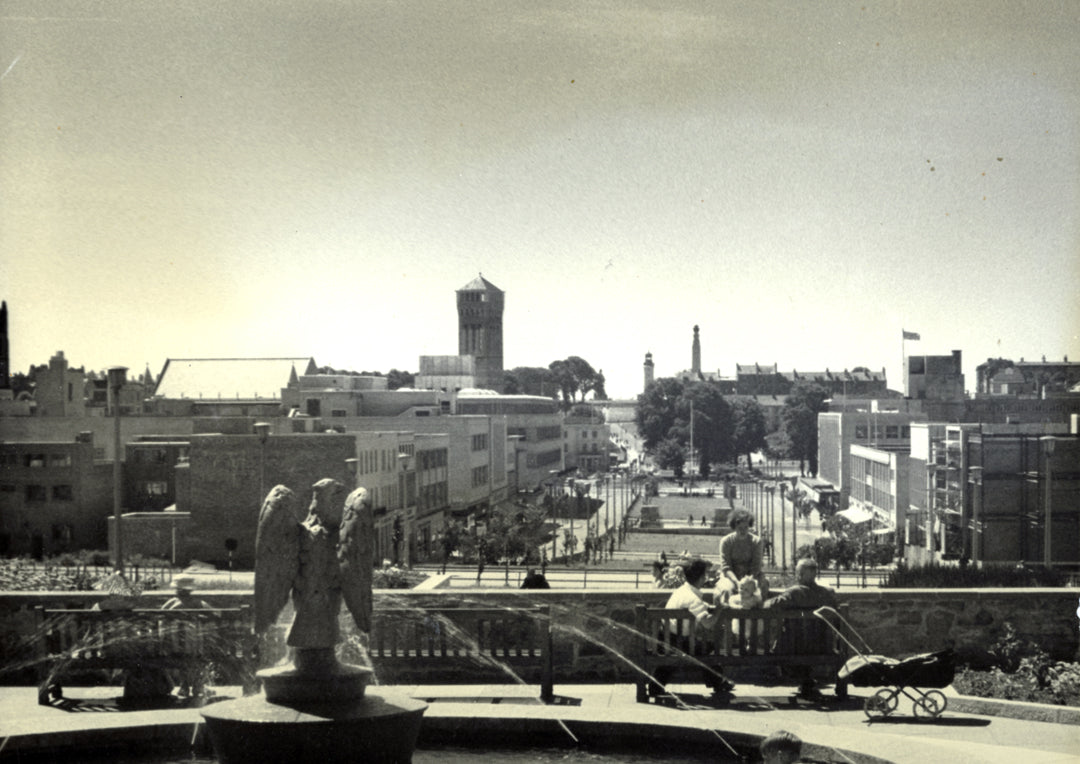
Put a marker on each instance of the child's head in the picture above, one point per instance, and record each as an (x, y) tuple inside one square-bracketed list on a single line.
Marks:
[(781, 747), (747, 587)]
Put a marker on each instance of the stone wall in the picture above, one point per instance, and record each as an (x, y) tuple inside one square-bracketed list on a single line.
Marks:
[(593, 629)]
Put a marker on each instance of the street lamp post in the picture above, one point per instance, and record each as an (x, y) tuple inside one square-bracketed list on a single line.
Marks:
[(1048, 443), (117, 377), (783, 538)]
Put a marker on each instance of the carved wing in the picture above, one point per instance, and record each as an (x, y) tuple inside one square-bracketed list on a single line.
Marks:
[(356, 557), (277, 555)]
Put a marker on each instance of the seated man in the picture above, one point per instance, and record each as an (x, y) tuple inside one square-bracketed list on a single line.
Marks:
[(806, 593), (688, 597)]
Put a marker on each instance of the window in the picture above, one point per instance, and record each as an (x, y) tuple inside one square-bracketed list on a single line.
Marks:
[(9, 459), (479, 476), (154, 487), (35, 493), (480, 442), (892, 432), (860, 432), (34, 460), (338, 413), (60, 460), (905, 432), (7, 488), (62, 493)]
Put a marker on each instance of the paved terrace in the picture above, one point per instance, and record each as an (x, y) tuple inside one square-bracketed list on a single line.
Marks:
[(833, 730)]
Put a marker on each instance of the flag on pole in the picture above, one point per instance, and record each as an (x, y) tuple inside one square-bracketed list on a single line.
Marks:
[(910, 335)]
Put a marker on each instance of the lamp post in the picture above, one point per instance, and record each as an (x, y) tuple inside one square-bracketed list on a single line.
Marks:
[(783, 538), (117, 378), (1048, 443)]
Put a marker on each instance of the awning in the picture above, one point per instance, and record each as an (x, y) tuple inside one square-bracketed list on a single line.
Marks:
[(856, 515)]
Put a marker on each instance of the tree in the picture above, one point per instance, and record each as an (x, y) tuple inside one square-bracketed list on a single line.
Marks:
[(655, 413), (712, 424), (397, 379), (575, 375), (531, 380), (799, 418), (670, 455), (748, 426)]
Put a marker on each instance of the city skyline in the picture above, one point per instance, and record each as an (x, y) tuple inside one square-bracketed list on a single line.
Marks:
[(312, 179)]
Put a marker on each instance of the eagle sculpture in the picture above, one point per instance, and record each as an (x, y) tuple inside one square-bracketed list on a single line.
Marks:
[(320, 559)]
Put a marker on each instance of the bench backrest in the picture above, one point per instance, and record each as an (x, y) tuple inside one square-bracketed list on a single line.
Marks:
[(459, 644), (106, 636), (759, 632)]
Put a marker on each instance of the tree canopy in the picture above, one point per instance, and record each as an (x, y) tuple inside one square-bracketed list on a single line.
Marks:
[(748, 426), (799, 419), (663, 413), (573, 376)]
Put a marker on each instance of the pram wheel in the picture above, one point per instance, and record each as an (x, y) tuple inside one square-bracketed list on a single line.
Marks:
[(931, 704), (881, 703)]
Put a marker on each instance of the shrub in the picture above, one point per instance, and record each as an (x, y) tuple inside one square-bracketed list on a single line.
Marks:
[(936, 575), (1022, 671)]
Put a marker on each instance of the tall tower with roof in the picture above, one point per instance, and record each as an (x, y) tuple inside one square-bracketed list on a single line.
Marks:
[(649, 371), (695, 355), (480, 311)]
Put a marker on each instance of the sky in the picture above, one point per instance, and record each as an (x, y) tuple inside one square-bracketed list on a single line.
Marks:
[(803, 181)]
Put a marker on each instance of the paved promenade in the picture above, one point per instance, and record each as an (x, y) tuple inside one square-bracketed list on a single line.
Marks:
[(594, 712)]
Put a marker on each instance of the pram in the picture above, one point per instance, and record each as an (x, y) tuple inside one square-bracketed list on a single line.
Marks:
[(933, 670)]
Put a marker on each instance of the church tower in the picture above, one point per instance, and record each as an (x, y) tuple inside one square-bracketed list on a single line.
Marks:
[(480, 309), (648, 370), (695, 356)]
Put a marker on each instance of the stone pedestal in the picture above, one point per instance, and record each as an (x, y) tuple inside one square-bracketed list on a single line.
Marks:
[(381, 727)]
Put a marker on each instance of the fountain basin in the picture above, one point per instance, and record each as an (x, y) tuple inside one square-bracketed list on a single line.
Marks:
[(380, 727)]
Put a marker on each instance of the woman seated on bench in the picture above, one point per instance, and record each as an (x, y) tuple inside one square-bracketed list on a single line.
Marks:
[(741, 554), (688, 597)]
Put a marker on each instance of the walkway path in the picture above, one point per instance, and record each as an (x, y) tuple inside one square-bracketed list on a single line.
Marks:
[(956, 737)]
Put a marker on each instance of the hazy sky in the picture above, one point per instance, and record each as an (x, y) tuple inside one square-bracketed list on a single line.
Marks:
[(801, 179)]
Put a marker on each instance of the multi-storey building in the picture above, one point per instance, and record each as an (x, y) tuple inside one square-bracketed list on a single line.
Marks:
[(879, 486), (934, 377), (54, 497), (888, 431), (1040, 379), (586, 443)]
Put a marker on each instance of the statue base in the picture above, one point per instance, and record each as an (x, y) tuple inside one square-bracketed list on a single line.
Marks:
[(314, 676), (380, 727)]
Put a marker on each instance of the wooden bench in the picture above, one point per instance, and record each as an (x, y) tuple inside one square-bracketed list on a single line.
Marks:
[(676, 648), (442, 645), (74, 642)]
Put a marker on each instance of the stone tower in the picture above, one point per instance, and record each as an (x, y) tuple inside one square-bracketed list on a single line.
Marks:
[(695, 355), (480, 310), (648, 370)]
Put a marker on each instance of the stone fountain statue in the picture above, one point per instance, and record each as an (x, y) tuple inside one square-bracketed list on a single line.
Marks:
[(315, 707), (321, 559)]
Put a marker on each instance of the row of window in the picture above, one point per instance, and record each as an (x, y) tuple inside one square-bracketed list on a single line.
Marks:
[(41, 492), (433, 496), (480, 442), (882, 432), (11, 459), (374, 460), (479, 476), (429, 460), (549, 433), (584, 433)]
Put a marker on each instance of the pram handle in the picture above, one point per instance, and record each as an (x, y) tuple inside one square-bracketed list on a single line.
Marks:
[(824, 610)]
